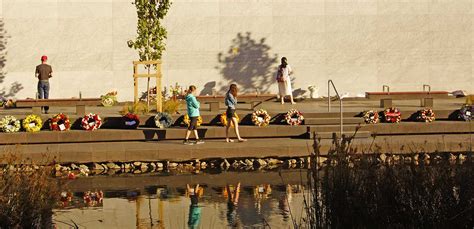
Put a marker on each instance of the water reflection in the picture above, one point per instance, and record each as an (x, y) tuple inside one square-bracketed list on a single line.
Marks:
[(232, 194), (194, 209), (343, 196), (193, 205)]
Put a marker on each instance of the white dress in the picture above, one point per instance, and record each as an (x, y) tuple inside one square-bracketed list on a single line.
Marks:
[(285, 87)]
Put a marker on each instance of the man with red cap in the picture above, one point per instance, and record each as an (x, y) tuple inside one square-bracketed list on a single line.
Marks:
[(43, 73)]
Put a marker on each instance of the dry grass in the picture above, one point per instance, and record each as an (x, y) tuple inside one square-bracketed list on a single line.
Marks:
[(171, 106), (370, 194), (28, 194)]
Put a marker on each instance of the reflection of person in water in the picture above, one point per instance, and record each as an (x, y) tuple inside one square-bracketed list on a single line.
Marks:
[(261, 192), (194, 209), (284, 202), (232, 201)]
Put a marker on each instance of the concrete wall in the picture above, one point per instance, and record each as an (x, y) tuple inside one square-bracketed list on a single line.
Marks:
[(360, 44)]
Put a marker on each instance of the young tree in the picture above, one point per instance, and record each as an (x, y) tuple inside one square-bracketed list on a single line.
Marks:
[(151, 34)]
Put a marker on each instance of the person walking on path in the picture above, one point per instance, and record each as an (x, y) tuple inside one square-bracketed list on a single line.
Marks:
[(43, 72), (193, 112), (284, 81), (231, 102)]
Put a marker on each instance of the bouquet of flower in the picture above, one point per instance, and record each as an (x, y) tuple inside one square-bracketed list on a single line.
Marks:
[(9, 124), (466, 111), (426, 115), (32, 123), (294, 117), (131, 121), (371, 117), (109, 99), (60, 122), (392, 115), (91, 122)]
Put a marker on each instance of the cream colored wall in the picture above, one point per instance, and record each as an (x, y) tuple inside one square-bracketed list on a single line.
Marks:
[(360, 44)]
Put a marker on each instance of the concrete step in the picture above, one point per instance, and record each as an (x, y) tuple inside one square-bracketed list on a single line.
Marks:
[(332, 121), (414, 128), (115, 121), (331, 135), (146, 134)]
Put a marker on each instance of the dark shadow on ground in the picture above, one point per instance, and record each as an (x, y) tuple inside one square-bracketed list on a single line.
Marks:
[(248, 63), (15, 87), (150, 134)]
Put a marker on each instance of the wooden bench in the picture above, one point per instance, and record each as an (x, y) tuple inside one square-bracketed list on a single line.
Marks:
[(253, 99), (426, 97), (80, 104)]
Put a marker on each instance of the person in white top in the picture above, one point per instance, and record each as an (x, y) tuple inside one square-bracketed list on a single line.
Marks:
[(284, 81)]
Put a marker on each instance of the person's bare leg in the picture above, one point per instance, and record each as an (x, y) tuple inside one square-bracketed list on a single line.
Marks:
[(227, 127), (282, 99), (196, 190), (236, 126), (292, 101), (196, 134), (236, 194), (188, 133)]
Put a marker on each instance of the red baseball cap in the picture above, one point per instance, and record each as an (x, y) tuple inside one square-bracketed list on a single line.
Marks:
[(43, 58)]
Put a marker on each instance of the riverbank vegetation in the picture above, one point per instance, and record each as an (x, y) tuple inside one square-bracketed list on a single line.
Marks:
[(368, 192)]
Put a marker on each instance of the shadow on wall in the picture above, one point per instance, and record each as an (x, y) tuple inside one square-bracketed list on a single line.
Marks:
[(15, 87), (248, 64), (209, 88)]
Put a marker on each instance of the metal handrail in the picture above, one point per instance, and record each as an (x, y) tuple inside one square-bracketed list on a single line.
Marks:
[(330, 82)]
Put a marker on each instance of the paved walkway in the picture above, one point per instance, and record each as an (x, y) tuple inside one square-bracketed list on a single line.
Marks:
[(270, 147), (351, 105)]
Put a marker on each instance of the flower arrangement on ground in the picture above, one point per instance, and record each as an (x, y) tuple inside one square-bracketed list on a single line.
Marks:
[(392, 115), (294, 117), (131, 121), (371, 117), (7, 103), (186, 120), (163, 120), (109, 99), (261, 118), (60, 122), (465, 113), (9, 124), (32, 123), (224, 120), (426, 115), (91, 122)]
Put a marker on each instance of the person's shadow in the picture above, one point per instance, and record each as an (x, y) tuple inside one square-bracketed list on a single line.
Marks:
[(209, 88), (248, 63)]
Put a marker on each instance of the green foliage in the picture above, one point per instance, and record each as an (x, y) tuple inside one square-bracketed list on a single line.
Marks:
[(151, 35), (171, 106), (136, 108)]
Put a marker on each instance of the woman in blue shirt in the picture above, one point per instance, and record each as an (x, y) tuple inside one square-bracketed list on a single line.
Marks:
[(231, 102), (193, 112)]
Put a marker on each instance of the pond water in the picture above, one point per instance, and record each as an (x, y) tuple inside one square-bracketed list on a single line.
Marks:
[(346, 195), (177, 201)]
